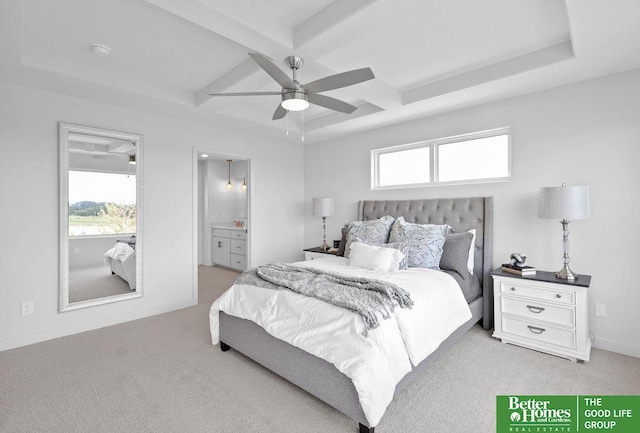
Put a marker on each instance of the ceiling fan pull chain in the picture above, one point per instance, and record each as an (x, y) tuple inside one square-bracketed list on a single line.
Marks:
[(286, 131), (302, 126)]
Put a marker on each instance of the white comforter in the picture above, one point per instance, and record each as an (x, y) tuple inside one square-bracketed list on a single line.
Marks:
[(121, 259), (374, 364)]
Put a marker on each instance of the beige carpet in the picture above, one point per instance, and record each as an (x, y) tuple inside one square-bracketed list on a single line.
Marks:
[(94, 282), (161, 374)]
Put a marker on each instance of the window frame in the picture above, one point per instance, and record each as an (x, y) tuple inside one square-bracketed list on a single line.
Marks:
[(433, 146)]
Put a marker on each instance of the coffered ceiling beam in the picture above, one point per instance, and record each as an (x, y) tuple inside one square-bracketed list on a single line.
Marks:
[(516, 65), (228, 79), (325, 19), (223, 25)]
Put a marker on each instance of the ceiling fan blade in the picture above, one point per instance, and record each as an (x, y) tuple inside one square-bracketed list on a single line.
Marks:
[(331, 103), (271, 69), (340, 80), (245, 94), (279, 113)]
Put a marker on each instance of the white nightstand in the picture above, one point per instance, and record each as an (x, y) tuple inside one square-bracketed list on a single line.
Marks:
[(317, 253), (543, 313)]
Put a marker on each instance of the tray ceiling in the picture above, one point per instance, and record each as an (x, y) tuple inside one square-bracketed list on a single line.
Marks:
[(428, 56)]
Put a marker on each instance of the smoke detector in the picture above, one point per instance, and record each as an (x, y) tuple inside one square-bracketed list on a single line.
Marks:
[(100, 50)]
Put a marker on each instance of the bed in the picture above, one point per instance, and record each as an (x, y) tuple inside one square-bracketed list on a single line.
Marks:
[(121, 260), (320, 377)]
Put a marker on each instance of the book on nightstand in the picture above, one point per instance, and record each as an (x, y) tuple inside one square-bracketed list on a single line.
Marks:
[(518, 270)]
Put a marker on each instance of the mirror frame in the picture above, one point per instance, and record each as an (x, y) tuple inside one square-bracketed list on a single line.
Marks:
[(63, 143)]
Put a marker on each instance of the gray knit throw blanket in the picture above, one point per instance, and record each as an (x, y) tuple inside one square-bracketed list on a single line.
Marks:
[(364, 296)]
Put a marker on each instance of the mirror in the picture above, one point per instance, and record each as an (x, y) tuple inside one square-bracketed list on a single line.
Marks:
[(100, 216)]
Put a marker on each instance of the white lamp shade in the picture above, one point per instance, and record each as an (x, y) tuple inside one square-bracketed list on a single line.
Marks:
[(323, 207), (564, 203)]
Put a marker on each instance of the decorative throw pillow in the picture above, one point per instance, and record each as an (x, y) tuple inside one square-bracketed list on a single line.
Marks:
[(403, 248), (374, 232), (424, 242), (343, 241), (455, 253), (376, 258)]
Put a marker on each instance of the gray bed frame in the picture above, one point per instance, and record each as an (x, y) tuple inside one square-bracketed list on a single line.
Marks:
[(319, 377)]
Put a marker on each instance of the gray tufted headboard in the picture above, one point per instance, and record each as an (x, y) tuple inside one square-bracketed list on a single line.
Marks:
[(461, 214)]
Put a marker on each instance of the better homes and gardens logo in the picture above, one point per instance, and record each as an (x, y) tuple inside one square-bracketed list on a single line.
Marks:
[(567, 413), (542, 414)]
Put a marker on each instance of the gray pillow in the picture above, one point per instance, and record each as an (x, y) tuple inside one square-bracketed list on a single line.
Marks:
[(374, 232), (455, 253), (343, 241), (424, 242)]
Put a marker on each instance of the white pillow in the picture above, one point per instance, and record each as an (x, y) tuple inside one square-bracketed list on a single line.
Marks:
[(472, 250), (374, 258)]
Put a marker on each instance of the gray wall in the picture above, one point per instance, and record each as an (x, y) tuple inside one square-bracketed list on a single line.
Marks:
[(582, 134)]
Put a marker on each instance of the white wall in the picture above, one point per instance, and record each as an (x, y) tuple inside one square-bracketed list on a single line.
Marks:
[(583, 134), (90, 250), (29, 208)]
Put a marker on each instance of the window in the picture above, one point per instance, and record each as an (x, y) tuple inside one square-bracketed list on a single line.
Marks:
[(101, 203), (471, 158)]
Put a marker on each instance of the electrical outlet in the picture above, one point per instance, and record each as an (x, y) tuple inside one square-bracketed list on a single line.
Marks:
[(27, 308), (601, 310)]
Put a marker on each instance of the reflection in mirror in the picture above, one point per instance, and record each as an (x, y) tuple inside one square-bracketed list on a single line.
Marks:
[(100, 216)]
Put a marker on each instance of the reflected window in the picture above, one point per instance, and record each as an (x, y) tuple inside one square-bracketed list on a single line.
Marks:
[(101, 203)]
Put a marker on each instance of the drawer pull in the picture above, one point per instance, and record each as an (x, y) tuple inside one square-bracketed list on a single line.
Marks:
[(219, 244), (513, 289), (534, 309), (536, 330), (558, 296)]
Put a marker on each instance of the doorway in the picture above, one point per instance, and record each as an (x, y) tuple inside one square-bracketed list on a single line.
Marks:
[(222, 247)]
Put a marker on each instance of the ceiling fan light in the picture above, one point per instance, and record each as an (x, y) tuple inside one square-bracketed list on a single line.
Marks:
[(295, 101)]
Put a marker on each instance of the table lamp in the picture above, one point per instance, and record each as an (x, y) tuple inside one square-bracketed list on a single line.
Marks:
[(324, 207), (564, 203)]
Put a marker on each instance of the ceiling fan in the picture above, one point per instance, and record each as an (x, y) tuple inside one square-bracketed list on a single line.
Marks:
[(296, 96)]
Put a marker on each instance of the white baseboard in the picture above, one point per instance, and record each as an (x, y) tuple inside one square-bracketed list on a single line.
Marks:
[(75, 328), (617, 347)]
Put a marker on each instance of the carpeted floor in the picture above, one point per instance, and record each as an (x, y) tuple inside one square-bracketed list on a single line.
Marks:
[(94, 282), (161, 374)]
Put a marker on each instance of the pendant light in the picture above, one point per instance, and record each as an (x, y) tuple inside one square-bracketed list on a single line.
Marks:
[(244, 184), (229, 185)]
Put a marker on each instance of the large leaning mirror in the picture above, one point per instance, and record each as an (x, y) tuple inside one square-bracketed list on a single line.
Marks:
[(100, 216)]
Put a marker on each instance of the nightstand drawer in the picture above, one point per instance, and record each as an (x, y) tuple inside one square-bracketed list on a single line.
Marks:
[(312, 256), (543, 333), (559, 296), (530, 308)]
